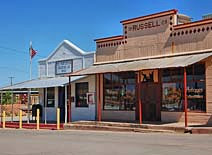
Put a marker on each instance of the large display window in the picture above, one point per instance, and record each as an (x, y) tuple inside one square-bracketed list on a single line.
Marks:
[(172, 85), (119, 91), (81, 94)]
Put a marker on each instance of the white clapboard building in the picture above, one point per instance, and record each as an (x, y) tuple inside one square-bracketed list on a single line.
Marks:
[(53, 81)]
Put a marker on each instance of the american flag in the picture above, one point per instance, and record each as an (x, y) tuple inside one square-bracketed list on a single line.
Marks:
[(32, 52)]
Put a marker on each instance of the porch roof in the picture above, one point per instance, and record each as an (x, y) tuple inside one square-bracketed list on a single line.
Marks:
[(144, 64), (42, 83)]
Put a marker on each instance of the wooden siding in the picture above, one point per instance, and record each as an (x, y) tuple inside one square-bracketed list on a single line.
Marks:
[(51, 69), (42, 69), (64, 53), (160, 36), (77, 64), (88, 60), (209, 85)]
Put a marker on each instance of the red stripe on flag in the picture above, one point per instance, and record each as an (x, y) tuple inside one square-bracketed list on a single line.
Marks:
[(33, 53)]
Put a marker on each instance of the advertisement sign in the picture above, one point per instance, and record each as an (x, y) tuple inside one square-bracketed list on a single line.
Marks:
[(90, 98), (63, 67)]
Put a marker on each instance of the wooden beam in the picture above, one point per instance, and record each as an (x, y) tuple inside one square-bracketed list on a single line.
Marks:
[(185, 97), (99, 90), (139, 96), (69, 100)]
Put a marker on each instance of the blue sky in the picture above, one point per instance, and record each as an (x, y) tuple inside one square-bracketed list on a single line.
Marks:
[(47, 22)]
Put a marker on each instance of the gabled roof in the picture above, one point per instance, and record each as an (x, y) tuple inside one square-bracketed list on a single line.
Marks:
[(70, 44), (155, 15)]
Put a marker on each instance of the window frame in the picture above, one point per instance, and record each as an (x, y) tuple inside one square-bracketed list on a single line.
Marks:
[(192, 80), (46, 98), (85, 95), (111, 86)]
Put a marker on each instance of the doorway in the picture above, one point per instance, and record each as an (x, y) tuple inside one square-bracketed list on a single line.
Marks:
[(61, 104), (151, 101)]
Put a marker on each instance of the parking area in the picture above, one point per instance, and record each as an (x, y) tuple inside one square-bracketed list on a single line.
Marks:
[(43, 142)]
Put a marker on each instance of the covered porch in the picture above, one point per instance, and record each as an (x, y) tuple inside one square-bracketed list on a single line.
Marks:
[(52, 94), (144, 84)]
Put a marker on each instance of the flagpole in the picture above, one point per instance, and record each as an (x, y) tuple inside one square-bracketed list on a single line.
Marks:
[(30, 57), (30, 77)]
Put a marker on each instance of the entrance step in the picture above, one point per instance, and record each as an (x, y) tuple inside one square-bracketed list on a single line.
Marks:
[(125, 127)]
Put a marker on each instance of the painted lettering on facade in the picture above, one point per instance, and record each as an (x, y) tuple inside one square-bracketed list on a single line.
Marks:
[(147, 25)]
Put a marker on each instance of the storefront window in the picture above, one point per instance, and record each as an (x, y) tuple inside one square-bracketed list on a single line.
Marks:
[(119, 91), (173, 86), (172, 96), (81, 94), (196, 96), (50, 97)]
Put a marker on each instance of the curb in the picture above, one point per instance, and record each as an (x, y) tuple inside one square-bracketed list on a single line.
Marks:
[(123, 128)]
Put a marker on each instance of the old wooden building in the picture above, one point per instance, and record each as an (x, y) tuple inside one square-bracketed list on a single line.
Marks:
[(52, 85), (159, 69)]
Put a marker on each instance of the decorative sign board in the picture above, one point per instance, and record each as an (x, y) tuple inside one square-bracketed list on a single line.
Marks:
[(63, 67), (90, 98)]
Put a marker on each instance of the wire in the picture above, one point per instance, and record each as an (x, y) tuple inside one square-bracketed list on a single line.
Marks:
[(15, 51), (14, 69), (5, 52)]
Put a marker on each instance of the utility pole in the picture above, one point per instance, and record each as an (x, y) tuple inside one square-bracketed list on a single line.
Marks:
[(11, 83), (11, 80)]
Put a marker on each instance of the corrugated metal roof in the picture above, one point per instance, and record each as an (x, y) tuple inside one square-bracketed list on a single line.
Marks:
[(43, 83), (157, 63)]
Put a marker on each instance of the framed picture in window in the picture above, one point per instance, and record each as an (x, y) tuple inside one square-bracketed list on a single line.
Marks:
[(90, 98)]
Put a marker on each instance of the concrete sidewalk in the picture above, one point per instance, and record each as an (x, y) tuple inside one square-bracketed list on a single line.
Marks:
[(122, 127), (134, 127), (129, 127)]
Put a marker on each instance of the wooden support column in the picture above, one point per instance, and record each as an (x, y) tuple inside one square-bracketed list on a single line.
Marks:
[(99, 96), (185, 97), (66, 104), (45, 105), (139, 96), (69, 100)]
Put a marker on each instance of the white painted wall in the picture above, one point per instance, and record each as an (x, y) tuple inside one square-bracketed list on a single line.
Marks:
[(50, 111), (78, 113), (84, 113), (64, 51), (68, 51)]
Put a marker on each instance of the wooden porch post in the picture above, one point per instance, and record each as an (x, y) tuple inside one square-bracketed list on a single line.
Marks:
[(69, 100), (185, 97), (99, 105), (66, 110), (139, 96)]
